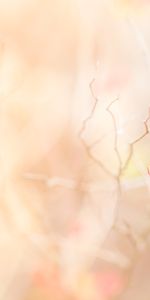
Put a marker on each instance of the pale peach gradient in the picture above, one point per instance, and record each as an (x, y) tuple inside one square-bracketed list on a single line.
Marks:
[(58, 206)]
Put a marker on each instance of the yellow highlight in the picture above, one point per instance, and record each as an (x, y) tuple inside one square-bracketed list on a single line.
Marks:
[(138, 166), (131, 172), (130, 7), (85, 287)]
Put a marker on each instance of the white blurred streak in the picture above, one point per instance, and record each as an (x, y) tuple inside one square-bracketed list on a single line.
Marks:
[(69, 183), (141, 41), (115, 257)]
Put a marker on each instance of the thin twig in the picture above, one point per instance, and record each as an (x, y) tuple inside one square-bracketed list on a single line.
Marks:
[(83, 129), (90, 116), (116, 136), (131, 145)]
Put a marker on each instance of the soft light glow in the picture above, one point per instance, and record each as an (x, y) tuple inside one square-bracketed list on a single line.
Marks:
[(74, 148)]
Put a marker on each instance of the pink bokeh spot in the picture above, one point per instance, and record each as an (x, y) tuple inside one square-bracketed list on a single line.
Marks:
[(75, 229), (115, 80), (109, 283)]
